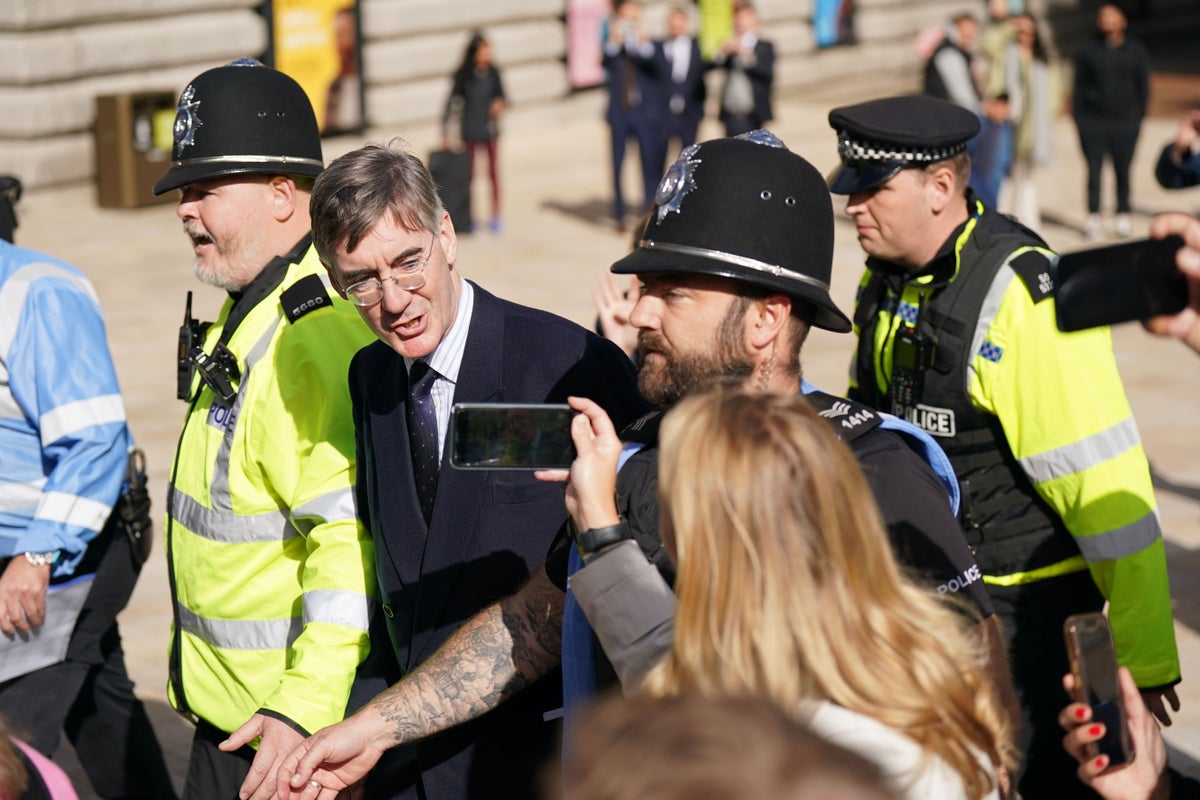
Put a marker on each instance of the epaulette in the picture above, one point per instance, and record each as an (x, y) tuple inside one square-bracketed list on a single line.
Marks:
[(1034, 269), (305, 295), (644, 429), (850, 419)]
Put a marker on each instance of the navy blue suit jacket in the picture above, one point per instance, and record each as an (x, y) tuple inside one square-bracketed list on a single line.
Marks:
[(489, 529), (762, 76), (649, 91), (691, 89)]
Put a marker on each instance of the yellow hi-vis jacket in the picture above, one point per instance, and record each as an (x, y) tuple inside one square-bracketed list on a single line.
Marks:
[(1061, 405), (274, 577)]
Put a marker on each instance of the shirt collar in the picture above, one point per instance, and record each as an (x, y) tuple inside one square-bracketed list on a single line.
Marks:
[(446, 359)]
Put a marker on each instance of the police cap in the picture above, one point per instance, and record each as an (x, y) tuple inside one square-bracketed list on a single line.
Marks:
[(878, 138), (242, 117), (748, 209)]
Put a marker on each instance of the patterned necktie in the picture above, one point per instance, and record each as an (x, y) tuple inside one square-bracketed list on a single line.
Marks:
[(423, 434)]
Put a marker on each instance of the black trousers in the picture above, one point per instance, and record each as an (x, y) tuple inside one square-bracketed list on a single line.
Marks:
[(90, 695), (1115, 139), (212, 773), (1032, 618)]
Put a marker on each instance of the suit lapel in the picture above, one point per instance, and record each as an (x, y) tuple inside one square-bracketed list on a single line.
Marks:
[(401, 526), (452, 530)]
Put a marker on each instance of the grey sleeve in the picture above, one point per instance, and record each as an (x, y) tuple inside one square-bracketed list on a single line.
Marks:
[(956, 74), (631, 609)]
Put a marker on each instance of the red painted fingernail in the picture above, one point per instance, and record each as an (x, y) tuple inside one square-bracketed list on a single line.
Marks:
[(1094, 730), (1079, 712), (1101, 762)]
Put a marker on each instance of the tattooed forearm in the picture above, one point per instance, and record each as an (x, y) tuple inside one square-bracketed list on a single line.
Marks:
[(495, 654)]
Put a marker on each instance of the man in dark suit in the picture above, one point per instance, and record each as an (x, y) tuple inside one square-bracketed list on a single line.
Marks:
[(681, 70), (449, 541), (634, 102), (750, 66)]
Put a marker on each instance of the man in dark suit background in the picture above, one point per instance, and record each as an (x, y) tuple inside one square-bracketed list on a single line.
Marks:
[(750, 66), (449, 541), (681, 70), (634, 102)]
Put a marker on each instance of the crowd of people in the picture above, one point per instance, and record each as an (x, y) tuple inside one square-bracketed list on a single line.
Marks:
[(856, 596), (657, 89), (1010, 77)]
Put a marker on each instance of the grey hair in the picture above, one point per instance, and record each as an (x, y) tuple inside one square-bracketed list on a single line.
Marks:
[(355, 191)]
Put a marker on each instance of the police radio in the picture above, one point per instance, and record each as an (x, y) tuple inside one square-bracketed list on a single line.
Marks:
[(191, 333), (911, 356), (218, 371)]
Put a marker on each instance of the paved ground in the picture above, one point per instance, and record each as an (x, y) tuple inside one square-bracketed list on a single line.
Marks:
[(556, 240)]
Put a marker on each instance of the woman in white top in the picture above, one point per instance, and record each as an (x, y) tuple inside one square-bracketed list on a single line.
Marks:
[(787, 589)]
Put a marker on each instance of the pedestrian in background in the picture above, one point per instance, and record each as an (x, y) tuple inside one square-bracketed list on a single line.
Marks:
[(477, 95), (1028, 80), (749, 64), (681, 70), (635, 105), (1112, 90)]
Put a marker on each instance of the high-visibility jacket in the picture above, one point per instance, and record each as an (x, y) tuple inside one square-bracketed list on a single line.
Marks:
[(272, 574), (63, 438), (1036, 422)]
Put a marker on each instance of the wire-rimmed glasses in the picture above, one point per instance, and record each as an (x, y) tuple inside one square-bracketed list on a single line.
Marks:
[(408, 275)]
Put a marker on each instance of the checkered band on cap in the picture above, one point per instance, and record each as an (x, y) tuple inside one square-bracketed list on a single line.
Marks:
[(851, 149)]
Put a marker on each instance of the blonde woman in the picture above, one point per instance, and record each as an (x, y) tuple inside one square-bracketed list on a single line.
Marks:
[(787, 589)]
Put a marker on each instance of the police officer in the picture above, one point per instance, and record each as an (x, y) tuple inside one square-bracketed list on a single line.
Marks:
[(270, 571), (957, 333)]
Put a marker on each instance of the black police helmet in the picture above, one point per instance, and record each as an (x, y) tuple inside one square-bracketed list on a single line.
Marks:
[(242, 117), (748, 209)]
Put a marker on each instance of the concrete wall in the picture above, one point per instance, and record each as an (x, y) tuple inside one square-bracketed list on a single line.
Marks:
[(56, 56)]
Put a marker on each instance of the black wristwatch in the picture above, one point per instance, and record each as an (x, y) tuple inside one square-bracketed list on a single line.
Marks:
[(595, 539)]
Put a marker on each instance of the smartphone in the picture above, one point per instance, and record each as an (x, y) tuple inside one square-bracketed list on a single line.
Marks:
[(1094, 665), (1120, 283), (511, 436)]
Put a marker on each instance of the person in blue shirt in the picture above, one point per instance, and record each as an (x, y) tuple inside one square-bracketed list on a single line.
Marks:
[(64, 457)]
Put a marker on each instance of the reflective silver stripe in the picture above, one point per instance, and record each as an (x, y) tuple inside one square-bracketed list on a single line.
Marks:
[(16, 496), (73, 417), (241, 634), (70, 509), (1073, 458), (281, 160), (337, 506), (227, 527), (12, 299), (337, 607), (991, 304), (218, 490), (733, 258), (989, 308), (1124, 541)]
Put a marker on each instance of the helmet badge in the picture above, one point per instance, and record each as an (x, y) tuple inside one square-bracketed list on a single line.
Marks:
[(186, 119)]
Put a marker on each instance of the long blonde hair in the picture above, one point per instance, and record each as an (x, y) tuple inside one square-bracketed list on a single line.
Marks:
[(788, 588)]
